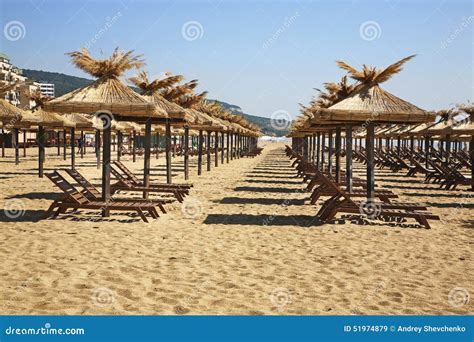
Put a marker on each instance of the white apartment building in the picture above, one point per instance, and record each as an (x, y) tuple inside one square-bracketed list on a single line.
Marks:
[(10, 73), (47, 89)]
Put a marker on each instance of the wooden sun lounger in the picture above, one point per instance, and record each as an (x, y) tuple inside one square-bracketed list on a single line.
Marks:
[(75, 199), (94, 194), (133, 178), (324, 190), (343, 203), (125, 184)]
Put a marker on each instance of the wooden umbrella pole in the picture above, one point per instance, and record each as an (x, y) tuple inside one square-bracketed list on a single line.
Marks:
[(17, 146), (40, 140), (369, 146), (97, 146), (412, 148), (106, 140), (318, 149), (64, 144), (157, 145), (186, 152), (146, 157), (73, 148), (232, 146), (427, 150), (310, 147), (222, 147), (471, 154), (169, 175), (216, 149), (83, 143), (448, 149), (338, 154), (330, 152), (208, 150), (58, 142), (119, 145), (323, 146), (313, 157), (25, 141), (134, 146), (200, 142), (349, 158), (305, 148), (227, 147), (174, 146), (3, 143)]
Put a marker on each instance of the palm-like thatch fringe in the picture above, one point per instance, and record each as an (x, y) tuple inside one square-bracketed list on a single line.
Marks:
[(369, 76), (369, 101), (114, 66), (142, 81), (107, 93), (151, 92)]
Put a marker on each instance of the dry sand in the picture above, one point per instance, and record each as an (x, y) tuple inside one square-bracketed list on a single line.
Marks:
[(241, 245)]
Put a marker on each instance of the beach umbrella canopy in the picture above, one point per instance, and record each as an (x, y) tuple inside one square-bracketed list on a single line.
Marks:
[(9, 114), (107, 93), (83, 122), (150, 90), (108, 97), (369, 101)]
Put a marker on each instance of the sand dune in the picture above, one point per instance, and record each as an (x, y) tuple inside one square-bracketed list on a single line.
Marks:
[(244, 242)]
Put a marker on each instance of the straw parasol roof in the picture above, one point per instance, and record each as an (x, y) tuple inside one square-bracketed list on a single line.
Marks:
[(107, 93), (82, 122), (369, 101), (150, 90), (49, 119), (8, 112)]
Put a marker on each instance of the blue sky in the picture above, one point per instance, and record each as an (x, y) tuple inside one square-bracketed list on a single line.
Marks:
[(264, 56)]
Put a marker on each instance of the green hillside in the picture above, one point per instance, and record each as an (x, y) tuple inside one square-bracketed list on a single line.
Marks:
[(65, 83), (62, 83)]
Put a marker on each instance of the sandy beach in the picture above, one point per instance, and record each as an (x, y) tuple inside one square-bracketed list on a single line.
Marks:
[(244, 242)]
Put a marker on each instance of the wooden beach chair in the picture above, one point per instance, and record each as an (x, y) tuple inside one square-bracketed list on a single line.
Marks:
[(93, 193), (125, 184), (75, 199), (343, 203), (133, 178)]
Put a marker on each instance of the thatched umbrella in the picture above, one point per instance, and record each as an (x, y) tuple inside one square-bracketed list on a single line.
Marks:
[(9, 115), (48, 120), (369, 104), (108, 97), (152, 91)]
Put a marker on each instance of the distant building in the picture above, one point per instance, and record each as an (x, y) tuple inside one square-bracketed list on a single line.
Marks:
[(9, 74), (47, 89)]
